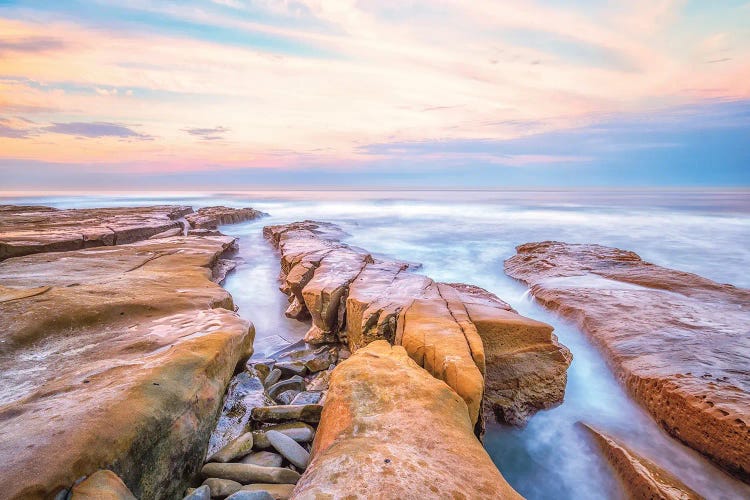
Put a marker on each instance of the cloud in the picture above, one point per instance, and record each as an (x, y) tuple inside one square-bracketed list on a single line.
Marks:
[(207, 134), (95, 130), (31, 44)]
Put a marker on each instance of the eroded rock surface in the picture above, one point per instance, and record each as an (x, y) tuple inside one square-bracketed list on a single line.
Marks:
[(26, 230), (354, 298), (679, 342), (114, 357), (640, 477), (391, 430), (212, 217)]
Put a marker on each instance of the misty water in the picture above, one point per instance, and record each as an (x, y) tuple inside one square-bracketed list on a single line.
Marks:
[(465, 237)]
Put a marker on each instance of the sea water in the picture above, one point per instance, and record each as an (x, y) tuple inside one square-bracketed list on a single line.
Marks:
[(463, 236)]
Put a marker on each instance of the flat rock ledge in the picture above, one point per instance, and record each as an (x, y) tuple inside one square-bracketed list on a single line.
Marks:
[(212, 217), (390, 429), (114, 357), (459, 333), (640, 477), (679, 342)]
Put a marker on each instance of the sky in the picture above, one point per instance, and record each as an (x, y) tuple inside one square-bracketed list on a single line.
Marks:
[(241, 94)]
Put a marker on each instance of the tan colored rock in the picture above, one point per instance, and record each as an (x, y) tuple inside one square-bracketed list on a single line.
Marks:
[(212, 217), (27, 230), (391, 430), (117, 358), (101, 485), (641, 478), (526, 365), (679, 342), (277, 491)]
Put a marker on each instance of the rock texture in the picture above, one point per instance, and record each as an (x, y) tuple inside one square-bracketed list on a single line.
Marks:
[(354, 298), (114, 357), (101, 485), (640, 477), (212, 217), (679, 342), (391, 430), (26, 230)]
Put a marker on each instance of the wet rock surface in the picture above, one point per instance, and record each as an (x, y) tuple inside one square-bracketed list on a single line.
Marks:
[(212, 217), (679, 342), (26, 230), (392, 430), (354, 298), (112, 357), (640, 477), (101, 485)]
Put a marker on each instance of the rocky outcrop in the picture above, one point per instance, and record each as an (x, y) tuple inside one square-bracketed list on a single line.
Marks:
[(354, 298), (679, 342), (391, 430), (212, 217), (114, 357), (640, 477), (27, 230)]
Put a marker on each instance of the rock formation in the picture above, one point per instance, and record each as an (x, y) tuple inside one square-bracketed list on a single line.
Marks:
[(355, 298), (640, 477), (114, 357), (679, 342), (212, 217), (391, 430)]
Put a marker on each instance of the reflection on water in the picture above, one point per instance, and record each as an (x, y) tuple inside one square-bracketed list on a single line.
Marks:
[(465, 237)]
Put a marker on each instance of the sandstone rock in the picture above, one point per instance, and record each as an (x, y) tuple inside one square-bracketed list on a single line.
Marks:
[(237, 448), (264, 459), (248, 473), (640, 477), (307, 398), (282, 413), (289, 448), (290, 368), (221, 488), (678, 342), (295, 383), (201, 493), (391, 430), (261, 368), (299, 431), (272, 377), (27, 230), (131, 347), (321, 361), (211, 217), (526, 367), (251, 495), (245, 392), (101, 485), (277, 491)]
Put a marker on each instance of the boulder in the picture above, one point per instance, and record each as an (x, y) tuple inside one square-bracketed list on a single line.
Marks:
[(251, 495), (101, 485), (277, 491), (640, 477), (284, 413), (248, 473), (299, 431), (295, 383), (391, 430), (237, 448), (200, 493), (264, 458), (221, 488), (27, 230), (677, 341), (289, 449), (131, 349), (307, 398)]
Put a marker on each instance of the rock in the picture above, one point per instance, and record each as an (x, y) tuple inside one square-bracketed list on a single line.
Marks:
[(221, 488), (245, 393), (221, 269), (260, 367), (640, 477), (282, 413), (290, 368), (320, 381), (299, 431), (286, 397), (391, 430), (211, 217), (251, 495), (289, 449), (200, 493), (27, 230), (131, 346), (237, 448), (272, 377), (264, 459), (678, 342), (248, 473), (277, 491), (526, 367), (321, 361), (307, 398), (295, 383), (101, 485)]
